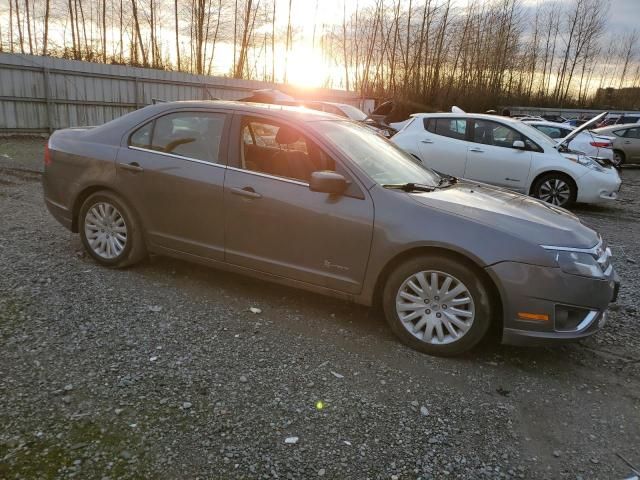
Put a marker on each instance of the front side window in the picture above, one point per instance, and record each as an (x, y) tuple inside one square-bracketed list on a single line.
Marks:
[(195, 135), (499, 135), (280, 150), (493, 133)]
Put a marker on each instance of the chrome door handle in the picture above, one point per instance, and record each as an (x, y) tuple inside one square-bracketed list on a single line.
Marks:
[(133, 167), (246, 192), (627, 142), (427, 141), (479, 150)]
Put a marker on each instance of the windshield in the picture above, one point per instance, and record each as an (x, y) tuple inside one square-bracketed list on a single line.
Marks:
[(384, 162), (537, 136), (353, 113)]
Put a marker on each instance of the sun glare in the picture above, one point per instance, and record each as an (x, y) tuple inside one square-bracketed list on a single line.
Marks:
[(306, 68)]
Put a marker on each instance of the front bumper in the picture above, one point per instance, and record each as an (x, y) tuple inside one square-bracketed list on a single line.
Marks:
[(598, 187), (567, 307)]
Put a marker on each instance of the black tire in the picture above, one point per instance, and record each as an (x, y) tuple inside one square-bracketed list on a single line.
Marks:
[(134, 247), (618, 158), (539, 189), (472, 281)]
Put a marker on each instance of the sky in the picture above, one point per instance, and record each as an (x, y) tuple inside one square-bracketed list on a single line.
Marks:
[(624, 14)]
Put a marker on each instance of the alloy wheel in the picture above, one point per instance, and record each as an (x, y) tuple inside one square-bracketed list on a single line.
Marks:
[(555, 191), (106, 230), (435, 307)]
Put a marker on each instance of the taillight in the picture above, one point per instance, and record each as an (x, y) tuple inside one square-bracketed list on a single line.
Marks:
[(601, 144), (47, 155)]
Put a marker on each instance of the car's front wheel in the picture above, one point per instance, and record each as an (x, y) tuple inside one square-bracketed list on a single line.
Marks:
[(437, 305), (555, 188), (110, 231)]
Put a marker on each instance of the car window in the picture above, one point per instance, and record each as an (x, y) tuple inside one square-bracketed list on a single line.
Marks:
[(632, 133), (552, 132), (447, 127), (280, 150), (493, 133), (194, 135), (142, 137), (499, 135), (335, 110)]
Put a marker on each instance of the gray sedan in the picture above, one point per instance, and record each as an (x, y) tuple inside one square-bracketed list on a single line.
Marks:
[(626, 142), (313, 201)]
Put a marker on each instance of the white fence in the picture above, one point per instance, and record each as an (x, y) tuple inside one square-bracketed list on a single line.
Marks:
[(41, 94)]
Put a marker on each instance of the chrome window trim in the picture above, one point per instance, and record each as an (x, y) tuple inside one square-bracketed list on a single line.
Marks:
[(173, 155), (266, 175)]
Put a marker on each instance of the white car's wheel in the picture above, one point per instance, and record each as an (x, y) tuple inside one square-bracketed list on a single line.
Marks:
[(555, 188)]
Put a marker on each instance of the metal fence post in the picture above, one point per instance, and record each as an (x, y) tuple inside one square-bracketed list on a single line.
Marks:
[(47, 96), (137, 92)]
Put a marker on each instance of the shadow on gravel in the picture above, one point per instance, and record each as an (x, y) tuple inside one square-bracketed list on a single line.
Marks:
[(344, 324)]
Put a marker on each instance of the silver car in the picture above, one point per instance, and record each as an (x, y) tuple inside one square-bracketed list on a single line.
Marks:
[(626, 142), (313, 201)]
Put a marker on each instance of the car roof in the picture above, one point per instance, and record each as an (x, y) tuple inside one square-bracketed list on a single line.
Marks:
[(620, 126), (481, 116), (549, 124), (286, 111)]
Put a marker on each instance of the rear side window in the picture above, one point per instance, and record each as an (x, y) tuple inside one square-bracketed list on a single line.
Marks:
[(447, 127), (632, 133), (194, 135), (142, 137)]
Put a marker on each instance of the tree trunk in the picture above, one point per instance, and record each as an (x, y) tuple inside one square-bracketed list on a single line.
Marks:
[(175, 11), (137, 32)]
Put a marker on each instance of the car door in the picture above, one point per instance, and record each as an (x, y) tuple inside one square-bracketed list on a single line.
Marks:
[(275, 224), (443, 144), (492, 158), (172, 170), (631, 144)]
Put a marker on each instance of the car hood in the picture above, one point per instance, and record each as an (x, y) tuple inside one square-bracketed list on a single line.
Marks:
[(519, 215), (594, 121)]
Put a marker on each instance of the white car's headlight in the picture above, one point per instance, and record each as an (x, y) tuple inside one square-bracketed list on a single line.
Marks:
[(585, 161)]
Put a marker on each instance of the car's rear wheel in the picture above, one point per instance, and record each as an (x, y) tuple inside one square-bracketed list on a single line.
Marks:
[(618, 158), (110, 231), (437, 305), (556, 188)]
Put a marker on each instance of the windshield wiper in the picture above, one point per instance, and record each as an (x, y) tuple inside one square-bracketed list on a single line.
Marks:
[(409, 187)]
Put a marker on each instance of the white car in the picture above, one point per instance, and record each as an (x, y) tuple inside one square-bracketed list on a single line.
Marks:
[(508, 153), (586, 142)]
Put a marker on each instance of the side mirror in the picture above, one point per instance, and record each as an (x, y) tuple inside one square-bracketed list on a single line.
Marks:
[(519, 144), (328, 182)]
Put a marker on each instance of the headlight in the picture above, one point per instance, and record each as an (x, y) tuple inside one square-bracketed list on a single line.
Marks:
[(577, 263), (585, 162)]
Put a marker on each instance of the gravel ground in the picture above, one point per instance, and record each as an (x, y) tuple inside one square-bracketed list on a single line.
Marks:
[(162, 371)]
